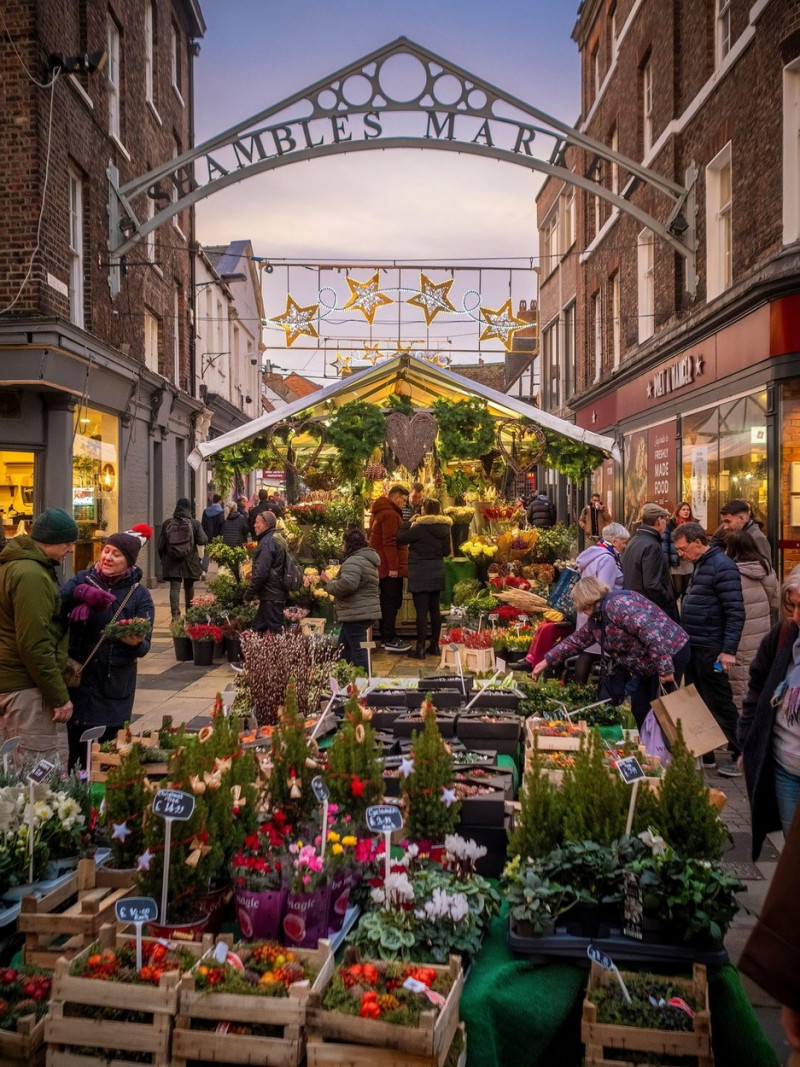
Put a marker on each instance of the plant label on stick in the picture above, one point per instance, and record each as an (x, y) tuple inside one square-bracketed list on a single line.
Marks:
[(319, 787), (94, 733), (5, 751), (605, 961), (170, 804), (630, 771), (36, 777), (384, 819), (137, 910), (40, 771)]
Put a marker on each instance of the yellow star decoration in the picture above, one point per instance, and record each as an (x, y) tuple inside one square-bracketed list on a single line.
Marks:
[(432, 298), (297, 320), (367, 296), (434, 358), (342, 363), (503, 324), (372, 353), (404, 350)]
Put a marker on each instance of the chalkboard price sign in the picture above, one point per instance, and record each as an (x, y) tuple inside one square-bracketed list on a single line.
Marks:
[(319, 788), (136, 910), (383, 818), (173, 804), (630, 770)]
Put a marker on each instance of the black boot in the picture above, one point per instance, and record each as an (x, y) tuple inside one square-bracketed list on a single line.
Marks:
[(417, 653), (434, 650)]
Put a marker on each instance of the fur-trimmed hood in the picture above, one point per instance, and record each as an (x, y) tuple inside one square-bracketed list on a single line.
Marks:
[(430, 519)]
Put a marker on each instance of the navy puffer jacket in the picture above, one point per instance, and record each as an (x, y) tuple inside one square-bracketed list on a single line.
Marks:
[(712, 611)]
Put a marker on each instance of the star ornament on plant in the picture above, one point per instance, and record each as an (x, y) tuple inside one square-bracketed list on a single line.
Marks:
[(297, 320), (448, 797), (144, 861), (357, 787), (367, 296), (503, 324), (432, 298), (406, 766), (121, 831)]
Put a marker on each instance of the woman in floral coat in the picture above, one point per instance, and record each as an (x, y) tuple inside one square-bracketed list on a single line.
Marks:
[(633, 632)]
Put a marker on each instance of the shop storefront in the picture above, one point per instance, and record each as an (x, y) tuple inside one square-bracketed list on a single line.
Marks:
[(712, 422), (95, 482), (17, 472)]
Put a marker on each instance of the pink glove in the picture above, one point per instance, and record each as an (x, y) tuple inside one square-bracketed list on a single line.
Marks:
[(93, 599)]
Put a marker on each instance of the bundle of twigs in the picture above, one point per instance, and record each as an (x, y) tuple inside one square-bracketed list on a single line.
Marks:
[(523, 599)]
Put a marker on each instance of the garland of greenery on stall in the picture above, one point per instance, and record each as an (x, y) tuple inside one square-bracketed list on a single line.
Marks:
[(356, 429), (572, 458), (466, 428), (231, 465)]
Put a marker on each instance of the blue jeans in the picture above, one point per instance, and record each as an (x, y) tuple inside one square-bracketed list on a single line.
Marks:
[(350, 637), (787, 794)]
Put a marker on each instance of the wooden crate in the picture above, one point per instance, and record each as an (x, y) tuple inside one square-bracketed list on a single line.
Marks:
[(75, 910), (571, 743), (76, 1041), (288, 1014), (102, 762), (449, 660), (349, 1041), (601, 1039), (477, 659), (25, 1044)]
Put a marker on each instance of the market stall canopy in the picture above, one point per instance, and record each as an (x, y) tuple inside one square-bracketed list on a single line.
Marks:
[(423, 383)]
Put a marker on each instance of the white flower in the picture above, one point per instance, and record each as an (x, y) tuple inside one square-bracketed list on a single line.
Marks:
[(460, 848), (396, 890)]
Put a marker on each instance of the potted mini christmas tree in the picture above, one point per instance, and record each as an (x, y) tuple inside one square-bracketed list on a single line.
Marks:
[(128, 795), (293, 765), (429, 790), (354, 775)]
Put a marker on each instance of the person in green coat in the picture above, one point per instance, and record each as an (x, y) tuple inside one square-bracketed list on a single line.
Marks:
[(356, 594), (33, 638)]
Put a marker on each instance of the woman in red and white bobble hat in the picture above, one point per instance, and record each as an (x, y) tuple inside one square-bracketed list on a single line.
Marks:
[(91, 599)]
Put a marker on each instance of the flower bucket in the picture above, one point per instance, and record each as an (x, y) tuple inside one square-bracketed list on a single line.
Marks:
[(191, 931), (260, 914), (341, 884), (233, 648), (219, 650), (183, 649), (203, 653), (306, 918)]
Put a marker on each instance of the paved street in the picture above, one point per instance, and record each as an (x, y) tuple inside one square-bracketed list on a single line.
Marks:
[(185, 691)]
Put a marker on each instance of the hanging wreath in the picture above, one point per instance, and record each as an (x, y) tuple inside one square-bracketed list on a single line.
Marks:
[(466, 429), (569, 457), (356, 429), (231, 465)]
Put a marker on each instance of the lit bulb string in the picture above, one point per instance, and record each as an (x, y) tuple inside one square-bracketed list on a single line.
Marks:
[(330, 308)]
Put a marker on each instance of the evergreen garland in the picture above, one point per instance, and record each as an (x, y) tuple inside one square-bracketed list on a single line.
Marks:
[(570, 457), (403, 404), (466, 429), (353, 774), (230, 465), (429, 817), (356, 429)]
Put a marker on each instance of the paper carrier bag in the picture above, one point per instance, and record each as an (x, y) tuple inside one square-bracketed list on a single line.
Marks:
[(700, 729)]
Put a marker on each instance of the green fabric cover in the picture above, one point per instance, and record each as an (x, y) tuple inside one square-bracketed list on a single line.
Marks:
[(509, 763), (611, 733), (456, 570)]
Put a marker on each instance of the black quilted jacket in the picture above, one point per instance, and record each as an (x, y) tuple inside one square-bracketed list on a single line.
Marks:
[(712, 611)]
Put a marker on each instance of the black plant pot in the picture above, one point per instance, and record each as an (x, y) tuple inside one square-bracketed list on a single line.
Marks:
[(233, 648), (183, 649), (203, 653)]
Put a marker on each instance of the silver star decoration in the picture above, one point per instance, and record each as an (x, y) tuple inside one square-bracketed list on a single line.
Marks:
[(406, 766), (448, 797), (121, 831), (649, 389), (698, 366), (145, 860), (503, 324)]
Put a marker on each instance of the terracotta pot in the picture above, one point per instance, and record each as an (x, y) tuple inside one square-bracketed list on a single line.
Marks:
[(203, 653), (183, 649), (191, 931)]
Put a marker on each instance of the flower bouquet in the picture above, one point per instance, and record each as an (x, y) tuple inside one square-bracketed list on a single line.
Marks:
[(517, 544), (460, 516), (135, 629), (230, 556), (478, 551), (308, 514)]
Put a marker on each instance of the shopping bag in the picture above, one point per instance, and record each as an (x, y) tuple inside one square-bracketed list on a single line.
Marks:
[(652, 737), (560, 598), (701, 731)]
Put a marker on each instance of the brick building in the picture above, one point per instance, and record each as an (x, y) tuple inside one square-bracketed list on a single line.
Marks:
[(97, 403), (701, 390)]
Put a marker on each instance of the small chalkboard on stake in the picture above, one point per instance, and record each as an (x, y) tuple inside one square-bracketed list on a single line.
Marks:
[(630, 770), (319, 787), (383, 817), (94, 733), (605, 961), (173, 804), (136, 910)]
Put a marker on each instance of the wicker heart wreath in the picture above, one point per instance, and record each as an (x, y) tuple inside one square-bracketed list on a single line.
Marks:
[(295, 428), (523, 433), (411, 439)]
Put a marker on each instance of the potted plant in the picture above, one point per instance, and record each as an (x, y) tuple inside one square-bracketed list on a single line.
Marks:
[(429, 795), (203, 636), (354, 775), (293, 765), (259, 884), (307, 900), (239, 618), (344, 851), (535, 903), (180, 640), (128, 794)]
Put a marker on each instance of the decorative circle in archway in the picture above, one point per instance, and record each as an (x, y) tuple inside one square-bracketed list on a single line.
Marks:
[(447, 89), (357, 90), (402, 78)]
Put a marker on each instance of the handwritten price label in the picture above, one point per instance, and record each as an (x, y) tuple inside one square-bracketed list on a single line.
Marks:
[(136, 910), (382, 818), (319, 788), (173, 804)]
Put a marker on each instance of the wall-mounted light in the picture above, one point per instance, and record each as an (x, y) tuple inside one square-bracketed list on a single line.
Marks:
[(108, 477)]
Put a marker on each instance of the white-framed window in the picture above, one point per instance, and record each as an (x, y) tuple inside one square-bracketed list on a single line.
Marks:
[(114, 79), (594, 71), (176, 334), (150, 341), (616, 324), (647, 106), (75, 248), (549, 243), (568, 362), (149, 52), (568, 225), (150, 238), (597, 334), (175, 61), (722, 35), (791, 152), (719, 223), (646, 284), (551, 367), (614, 146)]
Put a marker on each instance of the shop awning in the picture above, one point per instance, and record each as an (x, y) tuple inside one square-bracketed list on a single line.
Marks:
[(424, 383)]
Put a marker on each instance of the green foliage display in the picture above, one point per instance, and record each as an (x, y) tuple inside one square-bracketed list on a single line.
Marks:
[(429, 818), (466, 590), (353, 774), (466, 429), (572, 458), (458, 483), (231, 465), (290, 752), (685, 818), (403, 404), (555, 543), (595, 802), (540, 823), (356, 429)]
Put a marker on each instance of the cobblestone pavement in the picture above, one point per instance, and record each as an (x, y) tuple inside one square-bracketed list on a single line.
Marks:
[(185, 691)]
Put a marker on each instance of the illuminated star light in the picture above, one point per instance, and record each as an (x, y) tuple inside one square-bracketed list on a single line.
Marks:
[(432, 298), (448, 797), (406, 766), (372, 353), (503, 324), (342, 363), (297, 320), (121, 831), (367, 296), (404, 350), (145, 860)]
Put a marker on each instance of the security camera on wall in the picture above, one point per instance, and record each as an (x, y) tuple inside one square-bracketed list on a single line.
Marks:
[(254, 360)]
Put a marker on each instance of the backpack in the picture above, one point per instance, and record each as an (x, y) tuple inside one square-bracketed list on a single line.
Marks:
[(292, 574), (180, 537)]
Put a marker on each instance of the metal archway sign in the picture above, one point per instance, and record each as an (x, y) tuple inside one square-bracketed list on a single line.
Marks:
[(400, 96)]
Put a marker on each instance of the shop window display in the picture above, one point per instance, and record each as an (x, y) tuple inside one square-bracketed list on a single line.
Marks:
[(95, 482), (16, 492)]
